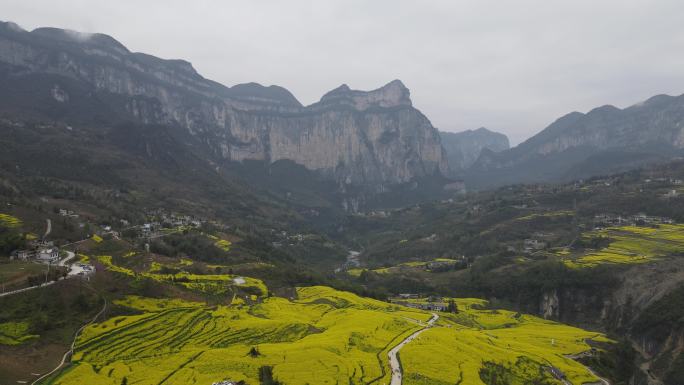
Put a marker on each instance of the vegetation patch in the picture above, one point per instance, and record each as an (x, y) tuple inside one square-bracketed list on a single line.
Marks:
[(215, 284), (9, 221), (15, 333)]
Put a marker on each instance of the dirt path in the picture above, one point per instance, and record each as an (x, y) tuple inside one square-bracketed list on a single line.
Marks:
[(27, 288), (395, 365)]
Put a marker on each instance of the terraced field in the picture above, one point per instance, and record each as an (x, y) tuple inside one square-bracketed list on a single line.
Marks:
[(217, 284), (323, 337), (632, 245)]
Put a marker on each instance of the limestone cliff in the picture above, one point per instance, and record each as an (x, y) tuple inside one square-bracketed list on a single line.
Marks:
[(373, 138)]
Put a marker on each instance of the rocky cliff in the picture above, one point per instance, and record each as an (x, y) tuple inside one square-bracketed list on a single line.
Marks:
[(464, 148), (374, 139)]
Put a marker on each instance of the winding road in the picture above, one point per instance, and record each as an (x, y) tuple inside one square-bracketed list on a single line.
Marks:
[(395, 365), (48, 228)]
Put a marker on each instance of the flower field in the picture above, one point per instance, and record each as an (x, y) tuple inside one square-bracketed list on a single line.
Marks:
[(207, 283), (324, 336), (456, 351), (356, 272), (9, 221)]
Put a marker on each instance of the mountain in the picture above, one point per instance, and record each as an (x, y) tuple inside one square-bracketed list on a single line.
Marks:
[(464, 148), (360, 140), (605, 140)]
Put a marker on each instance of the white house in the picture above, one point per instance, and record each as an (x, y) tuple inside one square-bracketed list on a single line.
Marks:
[(48, 255), (21, 255)]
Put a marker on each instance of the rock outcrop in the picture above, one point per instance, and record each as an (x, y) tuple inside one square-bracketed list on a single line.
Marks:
[(373, 138)]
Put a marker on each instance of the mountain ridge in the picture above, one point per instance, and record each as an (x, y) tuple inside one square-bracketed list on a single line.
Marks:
[(571, 146), (374, 139)]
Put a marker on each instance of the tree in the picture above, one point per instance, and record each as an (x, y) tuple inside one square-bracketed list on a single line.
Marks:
[(254, 352), (452, 307), (266, 376)]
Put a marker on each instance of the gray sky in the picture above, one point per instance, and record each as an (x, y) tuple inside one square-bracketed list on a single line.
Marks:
[(512, 66)]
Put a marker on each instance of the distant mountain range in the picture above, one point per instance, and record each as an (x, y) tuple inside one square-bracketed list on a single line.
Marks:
[(603, 141), (464, 148)]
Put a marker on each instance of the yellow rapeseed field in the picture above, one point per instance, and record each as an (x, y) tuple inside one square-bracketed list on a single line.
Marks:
[(324, 336), (632, 245)]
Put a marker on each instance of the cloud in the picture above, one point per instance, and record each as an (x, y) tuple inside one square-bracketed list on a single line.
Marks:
[(510, 66)]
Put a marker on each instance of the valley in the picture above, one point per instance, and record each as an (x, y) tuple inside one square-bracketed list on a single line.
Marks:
[(175, 309)]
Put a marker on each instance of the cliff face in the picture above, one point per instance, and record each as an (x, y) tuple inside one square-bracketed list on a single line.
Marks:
[(644, 305), (464, 148), (371, 138)]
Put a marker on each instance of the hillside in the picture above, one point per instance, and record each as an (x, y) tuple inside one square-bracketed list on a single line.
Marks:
[(319, 335)]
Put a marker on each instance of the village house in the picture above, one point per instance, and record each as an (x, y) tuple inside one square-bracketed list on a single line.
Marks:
[(50, 255), (431, 306), (533, 244), (671, 194), (435, 265), (409, 296), (146, 230), (21, 255)]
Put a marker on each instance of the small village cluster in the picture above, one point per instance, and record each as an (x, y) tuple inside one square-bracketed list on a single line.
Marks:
[(159, 220), (40, 251), (286, 239), (607, 220), (411, 300)]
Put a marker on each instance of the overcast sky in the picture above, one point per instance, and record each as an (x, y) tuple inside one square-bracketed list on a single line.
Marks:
[(512, 66)]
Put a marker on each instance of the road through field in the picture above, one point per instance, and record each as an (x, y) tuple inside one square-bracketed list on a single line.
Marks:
[(395, 365)]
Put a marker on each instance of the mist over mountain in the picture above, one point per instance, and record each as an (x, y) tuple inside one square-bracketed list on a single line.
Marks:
[(464, 148), (361, 140)]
